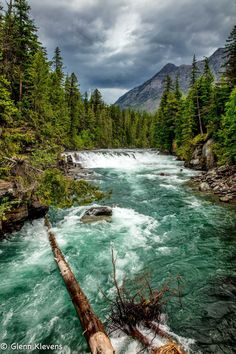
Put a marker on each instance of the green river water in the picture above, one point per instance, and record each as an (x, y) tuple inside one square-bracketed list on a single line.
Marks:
[(158, 226)]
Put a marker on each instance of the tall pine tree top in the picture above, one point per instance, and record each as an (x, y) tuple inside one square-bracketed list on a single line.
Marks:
[(230, 49), (58, 64), (195, 71)]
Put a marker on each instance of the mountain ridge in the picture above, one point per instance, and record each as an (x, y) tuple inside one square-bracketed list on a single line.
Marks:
[(146, 97)]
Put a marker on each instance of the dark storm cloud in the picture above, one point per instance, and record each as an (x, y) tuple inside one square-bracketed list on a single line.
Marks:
[(117, 44)]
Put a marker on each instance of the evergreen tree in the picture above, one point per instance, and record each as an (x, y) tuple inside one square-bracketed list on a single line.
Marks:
[(61, 119), (7, 108), (58, 65), (41, 112), (73, 103), (227, 143), (8, 48), (25, 41), (178, 113), (206, 97), (194, 72), (96, 101), (166, 118), (230, 65)]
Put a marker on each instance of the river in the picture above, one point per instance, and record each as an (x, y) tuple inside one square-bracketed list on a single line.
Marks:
[(159, 226)]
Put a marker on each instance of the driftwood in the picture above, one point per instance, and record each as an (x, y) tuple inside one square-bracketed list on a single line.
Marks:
[(94, 331), (143, 308)]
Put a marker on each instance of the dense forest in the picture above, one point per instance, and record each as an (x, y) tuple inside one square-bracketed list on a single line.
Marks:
[(43, 110), (42, 106), (208, 111)]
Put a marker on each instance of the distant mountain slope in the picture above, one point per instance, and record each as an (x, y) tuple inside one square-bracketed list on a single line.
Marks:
[(147, 96)]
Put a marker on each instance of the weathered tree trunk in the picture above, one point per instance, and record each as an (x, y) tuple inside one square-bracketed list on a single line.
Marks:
[(153, 326), (136, 334), (94, 331), (199, 115)]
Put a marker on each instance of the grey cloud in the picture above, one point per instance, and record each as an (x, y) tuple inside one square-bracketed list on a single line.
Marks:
[(158, 32)]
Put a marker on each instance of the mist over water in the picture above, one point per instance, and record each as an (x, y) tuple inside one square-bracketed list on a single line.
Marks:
[(159, 226)]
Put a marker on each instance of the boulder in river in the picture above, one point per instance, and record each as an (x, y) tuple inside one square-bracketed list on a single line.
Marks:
[(204, 187), (94, 214)]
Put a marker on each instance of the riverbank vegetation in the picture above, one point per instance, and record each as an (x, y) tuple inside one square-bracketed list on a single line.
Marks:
[(207, 111)]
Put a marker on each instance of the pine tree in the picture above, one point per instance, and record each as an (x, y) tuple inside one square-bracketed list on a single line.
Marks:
[(178, 113), (38, 94), (230, 65), (166, 118), (8, 48), (7, 108), (194, 72), (96, 101), (227, 143), (73, 100), (61, 119), (57, 63), (178, 93), (205, 98), (25, 41)]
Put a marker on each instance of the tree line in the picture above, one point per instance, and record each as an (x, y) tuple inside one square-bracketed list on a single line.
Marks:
[(43, 112), (42, 109)]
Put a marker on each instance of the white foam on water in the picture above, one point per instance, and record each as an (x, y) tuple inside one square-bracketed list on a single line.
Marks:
[(168, 186), (116, 159), (185, 342), (123, 344), (130, 160)]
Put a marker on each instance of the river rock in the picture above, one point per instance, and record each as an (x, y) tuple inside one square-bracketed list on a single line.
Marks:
[(69, 160), (164, 174), (96, 214), (227, 198), (221, 181), (204, 187)]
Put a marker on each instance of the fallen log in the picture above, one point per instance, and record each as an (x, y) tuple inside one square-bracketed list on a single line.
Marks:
[(94, 331)]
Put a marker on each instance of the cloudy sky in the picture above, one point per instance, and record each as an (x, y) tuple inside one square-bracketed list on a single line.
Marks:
[(115, 45)]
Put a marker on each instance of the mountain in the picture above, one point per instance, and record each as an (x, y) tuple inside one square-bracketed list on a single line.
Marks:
[(147, 96)]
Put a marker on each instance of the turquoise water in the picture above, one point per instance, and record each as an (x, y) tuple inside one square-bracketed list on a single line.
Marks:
[(159, 226)]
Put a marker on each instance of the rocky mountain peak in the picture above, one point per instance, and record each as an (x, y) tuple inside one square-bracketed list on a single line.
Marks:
[(147, 96)]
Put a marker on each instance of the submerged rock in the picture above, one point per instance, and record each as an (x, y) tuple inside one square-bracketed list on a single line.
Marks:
[(96, 214)]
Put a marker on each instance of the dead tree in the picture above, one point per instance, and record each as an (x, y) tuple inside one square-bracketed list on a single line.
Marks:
[(130, 310), (94, 332)]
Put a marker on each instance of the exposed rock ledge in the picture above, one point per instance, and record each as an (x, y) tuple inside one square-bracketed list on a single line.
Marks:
[(220, 181), (203, 157), (24, 209)]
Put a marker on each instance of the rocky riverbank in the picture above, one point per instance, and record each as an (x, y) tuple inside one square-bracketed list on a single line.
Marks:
[(21, 208), (220, 181)]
